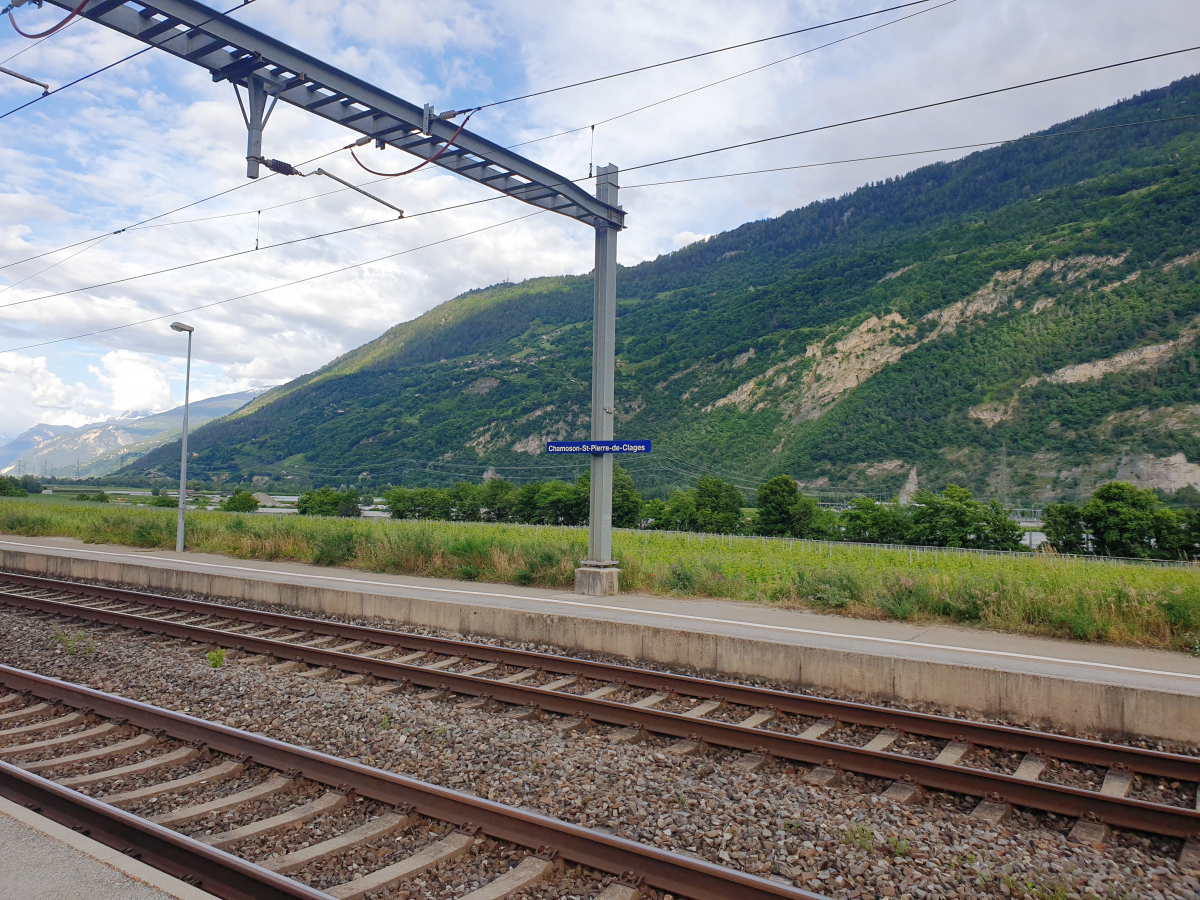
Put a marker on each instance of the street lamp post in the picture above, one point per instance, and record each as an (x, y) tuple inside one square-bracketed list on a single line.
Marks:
[(187, 386)]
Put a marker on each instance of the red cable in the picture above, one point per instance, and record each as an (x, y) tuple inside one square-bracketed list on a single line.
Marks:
[(61, 24), (419, 165)]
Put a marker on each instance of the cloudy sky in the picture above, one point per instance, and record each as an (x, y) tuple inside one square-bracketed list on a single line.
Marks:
[(155, 133)]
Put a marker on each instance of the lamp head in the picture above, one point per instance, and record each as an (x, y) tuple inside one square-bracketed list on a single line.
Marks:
[(179, 326)]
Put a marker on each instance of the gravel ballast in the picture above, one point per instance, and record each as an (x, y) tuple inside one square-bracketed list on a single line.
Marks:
[(844, 841)]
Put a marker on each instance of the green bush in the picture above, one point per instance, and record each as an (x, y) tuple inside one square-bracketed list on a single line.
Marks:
[(11, 487), (240, 501), (328, 502), (334, 548)]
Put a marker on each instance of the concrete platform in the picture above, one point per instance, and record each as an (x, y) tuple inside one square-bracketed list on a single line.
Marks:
[(1085, 687), (42, 860)]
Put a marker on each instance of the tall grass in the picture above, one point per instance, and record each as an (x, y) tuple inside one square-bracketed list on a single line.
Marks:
[(1025, 593)]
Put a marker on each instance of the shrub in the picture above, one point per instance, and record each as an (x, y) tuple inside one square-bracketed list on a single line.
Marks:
[(334, 548), (328, 502), (240, 501), (11, 487)]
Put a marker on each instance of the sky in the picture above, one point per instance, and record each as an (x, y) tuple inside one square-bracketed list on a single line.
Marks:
[(156, 133)]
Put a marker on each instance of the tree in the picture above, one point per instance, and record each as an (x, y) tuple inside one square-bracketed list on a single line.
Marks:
[(329, 502), (1121, 519), (718, 505), (559, 503), (11, 487), (954, 519), (626, 501), (1063, 527), (348, 504), (777, 506), (680, 512), (654, 513), (240, 501), (875, 523), (811, 522), (1000, 531)]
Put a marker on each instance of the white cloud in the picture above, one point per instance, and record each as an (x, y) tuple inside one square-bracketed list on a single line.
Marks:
[(135, 381), (33, 393), (156, 133)]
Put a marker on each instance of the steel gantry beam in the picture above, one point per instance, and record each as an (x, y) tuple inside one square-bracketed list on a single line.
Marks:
[(270, 71), (267, 67)]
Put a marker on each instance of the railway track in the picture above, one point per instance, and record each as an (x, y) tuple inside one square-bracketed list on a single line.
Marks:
[(222, 790), (1102, 785)]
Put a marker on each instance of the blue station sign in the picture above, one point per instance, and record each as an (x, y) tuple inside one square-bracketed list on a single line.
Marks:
[(597, 446)]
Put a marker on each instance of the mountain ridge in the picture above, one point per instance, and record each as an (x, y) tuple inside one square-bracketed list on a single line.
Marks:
[(100, 448), (930, 320)]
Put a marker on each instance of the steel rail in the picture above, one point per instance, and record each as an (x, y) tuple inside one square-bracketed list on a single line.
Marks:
[(1121, 812), (1004, 737), (691, 877), (217, 872)]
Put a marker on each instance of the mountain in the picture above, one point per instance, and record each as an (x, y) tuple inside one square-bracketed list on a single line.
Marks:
[(104, 447), (29, 441), (1023, 321)]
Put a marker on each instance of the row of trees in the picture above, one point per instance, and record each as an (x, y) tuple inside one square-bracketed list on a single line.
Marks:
[(949, 519), (1123, 520), (1119, 520), (15, 486), (952, 518)]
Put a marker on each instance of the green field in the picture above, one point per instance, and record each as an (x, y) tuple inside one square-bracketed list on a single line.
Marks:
[(1028, 593)]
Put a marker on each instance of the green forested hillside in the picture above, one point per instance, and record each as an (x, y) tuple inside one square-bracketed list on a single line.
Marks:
[(1036, 303)]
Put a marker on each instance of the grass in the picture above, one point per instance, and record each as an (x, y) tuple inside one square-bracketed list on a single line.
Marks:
[(1024, 593), (859, 836), (73, 643)]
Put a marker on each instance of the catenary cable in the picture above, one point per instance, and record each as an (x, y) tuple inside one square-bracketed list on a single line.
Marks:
[(276, 287), (626, 187), (705, 87), (237, 253), (34, 44), (857, 159), (910, 109), (671, 62), (749, 143), (535, 140), (143, 222)]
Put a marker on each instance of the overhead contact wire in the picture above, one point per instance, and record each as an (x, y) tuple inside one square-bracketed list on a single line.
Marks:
[(671, 62), (276, 287), (910, 109)]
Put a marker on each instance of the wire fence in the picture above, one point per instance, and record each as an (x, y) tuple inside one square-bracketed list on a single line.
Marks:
[(916, 552)]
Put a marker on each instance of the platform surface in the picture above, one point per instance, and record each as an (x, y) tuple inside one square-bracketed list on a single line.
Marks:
[(957, 646), (42, 860)]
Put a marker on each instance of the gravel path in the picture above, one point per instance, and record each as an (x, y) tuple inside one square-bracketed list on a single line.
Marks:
[(844, 841)]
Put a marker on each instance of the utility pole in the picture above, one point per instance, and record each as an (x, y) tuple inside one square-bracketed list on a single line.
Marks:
[(599, 574), (265, 67), (187, 387)]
